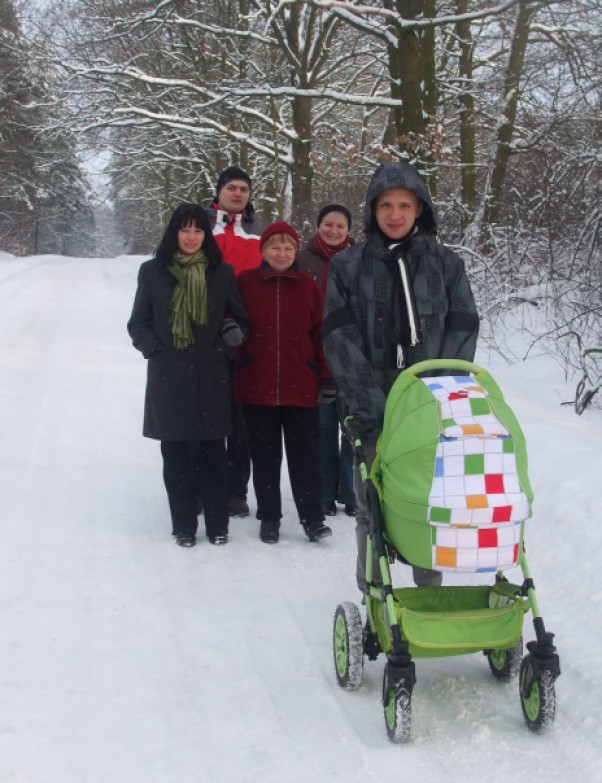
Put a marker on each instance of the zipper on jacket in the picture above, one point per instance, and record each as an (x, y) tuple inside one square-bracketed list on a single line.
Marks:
[(407, 291), (278, 341)]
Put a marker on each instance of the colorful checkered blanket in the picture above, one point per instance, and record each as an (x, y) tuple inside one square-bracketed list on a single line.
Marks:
[(452, 472), (476, 502)]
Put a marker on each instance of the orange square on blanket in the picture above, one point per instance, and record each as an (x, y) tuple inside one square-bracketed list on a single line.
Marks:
[(476, 501), (446, 556), (472, 429)]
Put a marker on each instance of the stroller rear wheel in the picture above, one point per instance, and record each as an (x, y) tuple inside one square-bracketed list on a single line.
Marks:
[(505, 664), (348, 646), (397, 705), (537, 696)]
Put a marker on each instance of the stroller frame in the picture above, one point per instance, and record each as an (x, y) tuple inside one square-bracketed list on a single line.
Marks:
[(495, 630)]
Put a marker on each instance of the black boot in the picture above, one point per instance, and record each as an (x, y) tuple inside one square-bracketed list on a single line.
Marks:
[(238, 507), (316, 531), (269, 532), (183, 539)]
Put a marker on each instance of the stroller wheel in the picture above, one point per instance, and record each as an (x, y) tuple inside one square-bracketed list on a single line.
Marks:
[(505, 664), (537, 696), (348, 646), (397, 705)]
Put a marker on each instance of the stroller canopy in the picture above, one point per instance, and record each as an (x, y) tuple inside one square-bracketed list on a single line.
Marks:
[(451, 471)]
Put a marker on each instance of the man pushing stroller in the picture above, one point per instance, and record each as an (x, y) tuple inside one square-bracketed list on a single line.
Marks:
[(395, 299)]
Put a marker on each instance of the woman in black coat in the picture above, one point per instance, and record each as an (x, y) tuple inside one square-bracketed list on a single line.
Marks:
[(188, 321)]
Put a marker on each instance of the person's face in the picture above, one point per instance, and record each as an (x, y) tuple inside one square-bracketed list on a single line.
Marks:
[(234, 196), (396, 211), (280, 253), (333, 229), (190, 239)]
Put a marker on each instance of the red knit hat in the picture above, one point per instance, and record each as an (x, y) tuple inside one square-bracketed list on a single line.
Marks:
[(279, 227)]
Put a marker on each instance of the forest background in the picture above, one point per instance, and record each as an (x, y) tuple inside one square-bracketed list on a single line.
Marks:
[(496, 101)]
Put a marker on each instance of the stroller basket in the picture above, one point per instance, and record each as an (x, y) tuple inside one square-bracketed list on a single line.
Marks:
[(446, 621), (451, 474)]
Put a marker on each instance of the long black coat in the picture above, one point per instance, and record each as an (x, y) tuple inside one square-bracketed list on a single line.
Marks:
[(188, 392)]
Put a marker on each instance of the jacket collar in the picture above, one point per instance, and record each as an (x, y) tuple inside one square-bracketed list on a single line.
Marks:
[(266, 272), (221, 216)]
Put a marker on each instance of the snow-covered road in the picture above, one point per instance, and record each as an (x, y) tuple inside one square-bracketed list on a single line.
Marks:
[(125, 659)]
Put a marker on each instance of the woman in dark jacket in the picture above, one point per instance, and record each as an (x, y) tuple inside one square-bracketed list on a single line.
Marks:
[(188, 320), (336, 465)]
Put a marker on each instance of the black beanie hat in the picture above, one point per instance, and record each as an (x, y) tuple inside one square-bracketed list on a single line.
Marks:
[(334, 208), (227, 175)]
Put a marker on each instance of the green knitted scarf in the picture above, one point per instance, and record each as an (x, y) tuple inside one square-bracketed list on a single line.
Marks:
[(189, 302)]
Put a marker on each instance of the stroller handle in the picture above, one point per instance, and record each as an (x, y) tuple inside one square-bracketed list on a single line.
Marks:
[(443, 364)]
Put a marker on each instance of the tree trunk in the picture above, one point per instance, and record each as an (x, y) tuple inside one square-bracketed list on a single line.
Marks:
[(505, 130), (466, 110), (302, 172), (427, 56), (414, 81), (405, 68)]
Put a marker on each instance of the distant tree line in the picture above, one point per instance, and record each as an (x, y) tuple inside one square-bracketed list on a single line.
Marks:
[(45, 199)]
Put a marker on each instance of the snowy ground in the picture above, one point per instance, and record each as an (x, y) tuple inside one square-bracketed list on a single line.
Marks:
[(125, 659)]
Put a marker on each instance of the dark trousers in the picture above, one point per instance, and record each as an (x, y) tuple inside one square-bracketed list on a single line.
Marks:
[(239, 458), (336, 464), (266, 426), (190, 468)]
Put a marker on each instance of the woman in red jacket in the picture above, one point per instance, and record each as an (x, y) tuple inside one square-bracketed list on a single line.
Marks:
[(281, 375)]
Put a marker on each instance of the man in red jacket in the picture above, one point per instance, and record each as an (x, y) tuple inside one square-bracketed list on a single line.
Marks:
[(233, 220), (237, 234)]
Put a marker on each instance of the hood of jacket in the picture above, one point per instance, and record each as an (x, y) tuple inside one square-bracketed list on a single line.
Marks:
[(399, 175)]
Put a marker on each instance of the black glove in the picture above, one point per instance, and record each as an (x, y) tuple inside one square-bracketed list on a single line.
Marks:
[(371, 429), (367, 430), (352, 429), (231, 333)]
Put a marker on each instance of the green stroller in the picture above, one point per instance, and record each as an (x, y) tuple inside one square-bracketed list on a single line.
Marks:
[(448, 491)]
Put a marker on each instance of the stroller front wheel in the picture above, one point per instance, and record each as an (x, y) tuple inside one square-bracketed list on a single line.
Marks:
[(537, 696), (397, 705), (348, 646)]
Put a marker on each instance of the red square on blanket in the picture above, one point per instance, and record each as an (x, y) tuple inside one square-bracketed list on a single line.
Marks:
[(487, 538), (502, 514), (494, 483)]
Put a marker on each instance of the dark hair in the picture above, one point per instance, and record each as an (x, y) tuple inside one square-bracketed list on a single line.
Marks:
[(334, 208), (185, 215)]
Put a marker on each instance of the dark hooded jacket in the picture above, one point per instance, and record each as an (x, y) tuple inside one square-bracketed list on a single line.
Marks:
[(188, 391), (361, 312)]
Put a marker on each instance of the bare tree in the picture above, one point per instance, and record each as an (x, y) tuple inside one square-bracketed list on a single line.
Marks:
[(44, 195)]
